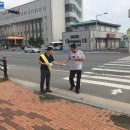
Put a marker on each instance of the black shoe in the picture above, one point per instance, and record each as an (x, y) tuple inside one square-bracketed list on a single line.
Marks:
[(50, 91), (43, 91), (71, 88), (77, 91)]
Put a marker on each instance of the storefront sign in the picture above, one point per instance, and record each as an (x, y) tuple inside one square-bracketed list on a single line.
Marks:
[(110, 35), (1, 5)]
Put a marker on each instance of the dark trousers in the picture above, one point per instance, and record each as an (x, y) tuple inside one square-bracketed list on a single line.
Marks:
[(45, 74), (72, 76)]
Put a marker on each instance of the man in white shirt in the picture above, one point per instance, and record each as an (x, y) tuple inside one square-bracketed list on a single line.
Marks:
[(76, 57)]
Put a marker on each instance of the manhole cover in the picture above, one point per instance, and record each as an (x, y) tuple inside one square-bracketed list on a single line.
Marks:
[(121, 121)]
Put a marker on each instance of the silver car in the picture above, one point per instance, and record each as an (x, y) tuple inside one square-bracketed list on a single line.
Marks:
[(31, 49)]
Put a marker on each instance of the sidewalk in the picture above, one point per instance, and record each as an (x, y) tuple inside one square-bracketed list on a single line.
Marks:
[(23, 109)]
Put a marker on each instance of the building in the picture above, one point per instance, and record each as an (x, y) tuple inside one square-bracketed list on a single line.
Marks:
[(39, 18), (92, 35), (73, 12)]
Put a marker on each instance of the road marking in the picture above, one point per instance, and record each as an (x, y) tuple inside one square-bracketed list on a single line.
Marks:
[(124, 62), (111, 70), (120, 76), (126, 58), (116, 91), (116, 65), (107, 78), (103, 83)]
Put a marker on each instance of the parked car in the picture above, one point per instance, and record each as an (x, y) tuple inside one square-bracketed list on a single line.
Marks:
[(31, 49)]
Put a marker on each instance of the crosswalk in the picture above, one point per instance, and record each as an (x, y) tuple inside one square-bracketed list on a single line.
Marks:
[(114, 74)]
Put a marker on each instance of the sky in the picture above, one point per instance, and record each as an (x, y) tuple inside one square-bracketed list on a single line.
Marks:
[(117, 11)]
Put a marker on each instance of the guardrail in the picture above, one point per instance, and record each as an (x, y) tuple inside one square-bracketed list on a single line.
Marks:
[(3, 63)]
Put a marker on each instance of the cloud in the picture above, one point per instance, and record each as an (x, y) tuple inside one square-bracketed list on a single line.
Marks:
[(117, 11)]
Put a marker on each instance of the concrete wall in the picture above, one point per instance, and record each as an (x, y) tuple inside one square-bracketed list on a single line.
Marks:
[(58, 19)]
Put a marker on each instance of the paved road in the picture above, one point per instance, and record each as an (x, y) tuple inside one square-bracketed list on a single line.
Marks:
[(102, 73)]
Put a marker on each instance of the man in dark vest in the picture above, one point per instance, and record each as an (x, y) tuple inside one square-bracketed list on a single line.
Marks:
[(46, 60)]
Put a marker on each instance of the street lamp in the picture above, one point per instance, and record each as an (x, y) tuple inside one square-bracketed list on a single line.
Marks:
[(97, 27)]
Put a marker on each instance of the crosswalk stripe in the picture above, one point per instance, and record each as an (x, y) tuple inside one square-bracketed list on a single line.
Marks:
[(111, 70), (113, 85), (111, 75), (126, 58), (116, 65), (107, 78), (118, 62)]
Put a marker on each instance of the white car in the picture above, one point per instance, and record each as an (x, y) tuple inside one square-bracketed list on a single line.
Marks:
[(31, 49)]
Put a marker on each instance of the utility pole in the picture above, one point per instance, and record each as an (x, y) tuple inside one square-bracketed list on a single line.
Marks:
[(97, 27), (128, 33)]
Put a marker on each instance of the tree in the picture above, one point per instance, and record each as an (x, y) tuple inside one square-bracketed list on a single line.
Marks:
[(31, 41), (39, 41)]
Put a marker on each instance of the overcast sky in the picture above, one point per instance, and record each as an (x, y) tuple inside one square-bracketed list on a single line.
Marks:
[(117, 10)]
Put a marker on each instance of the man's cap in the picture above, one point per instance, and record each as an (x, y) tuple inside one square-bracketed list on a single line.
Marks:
[(49, 48), (73, 46)]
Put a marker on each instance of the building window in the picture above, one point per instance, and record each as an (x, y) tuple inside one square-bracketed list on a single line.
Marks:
[(66, 41), (68, 29), (32, 11), (71, 19), (84, 40), (104, 28), (40, 9), (36, 10), (78, 2), (72, 8), (29, 12), (44, 8)]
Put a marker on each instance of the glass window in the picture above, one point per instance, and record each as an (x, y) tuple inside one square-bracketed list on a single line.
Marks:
[(72, 8)]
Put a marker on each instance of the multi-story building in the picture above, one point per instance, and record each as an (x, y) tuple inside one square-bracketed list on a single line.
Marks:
[(39, 18), (73, 9), (93, 35)]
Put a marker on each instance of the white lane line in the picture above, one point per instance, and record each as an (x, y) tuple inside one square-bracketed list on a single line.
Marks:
[(103, 83), (126, 58), (114, 67), (116, 64), (120, 76), (107, 78), (111, 70)]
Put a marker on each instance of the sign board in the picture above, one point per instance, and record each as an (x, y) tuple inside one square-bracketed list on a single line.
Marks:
[(3, 37), (1, 5), (111, 35)]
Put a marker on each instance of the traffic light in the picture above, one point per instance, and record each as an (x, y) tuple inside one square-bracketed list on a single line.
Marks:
[(13, 11)]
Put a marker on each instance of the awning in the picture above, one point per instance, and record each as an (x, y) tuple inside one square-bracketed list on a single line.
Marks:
[(14, 37)]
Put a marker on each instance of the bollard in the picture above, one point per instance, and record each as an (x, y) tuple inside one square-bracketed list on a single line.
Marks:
[(5, 68)]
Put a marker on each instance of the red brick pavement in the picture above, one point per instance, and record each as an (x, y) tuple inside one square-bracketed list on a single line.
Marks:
[(22, 109)]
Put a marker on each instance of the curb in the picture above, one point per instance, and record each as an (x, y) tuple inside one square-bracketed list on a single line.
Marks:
[(99, 102)]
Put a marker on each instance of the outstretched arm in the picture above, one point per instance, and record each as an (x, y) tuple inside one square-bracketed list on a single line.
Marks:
[(56, 63)]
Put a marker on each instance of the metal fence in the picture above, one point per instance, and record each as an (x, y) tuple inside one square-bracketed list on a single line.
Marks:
[(3, 64)]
